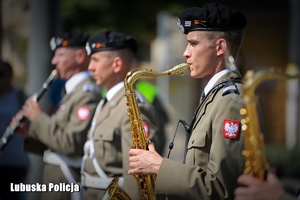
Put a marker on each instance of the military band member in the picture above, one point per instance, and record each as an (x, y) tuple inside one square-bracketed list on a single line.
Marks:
[(64, 133), (109, 139), (213, 159)]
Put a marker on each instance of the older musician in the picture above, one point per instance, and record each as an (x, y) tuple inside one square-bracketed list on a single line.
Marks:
[(63, 134)]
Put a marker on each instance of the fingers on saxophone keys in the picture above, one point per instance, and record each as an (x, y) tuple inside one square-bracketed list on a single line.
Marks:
[(132, 165), (134, 170), (131, 172), (133, 152)]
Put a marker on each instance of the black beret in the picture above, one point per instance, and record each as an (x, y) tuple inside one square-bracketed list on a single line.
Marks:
[(212, 17), (69, 39), (110, 40)]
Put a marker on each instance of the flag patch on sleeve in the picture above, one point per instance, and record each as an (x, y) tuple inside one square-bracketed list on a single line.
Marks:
[(83, 113), (231, 128)]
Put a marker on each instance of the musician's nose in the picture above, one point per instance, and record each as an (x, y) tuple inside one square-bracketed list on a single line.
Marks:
[(54, 60)]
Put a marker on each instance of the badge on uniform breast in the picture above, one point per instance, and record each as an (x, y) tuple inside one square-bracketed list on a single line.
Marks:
[(83, 113), (231, 128)]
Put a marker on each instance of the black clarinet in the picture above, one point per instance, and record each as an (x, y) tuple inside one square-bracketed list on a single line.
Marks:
[(10, 130)]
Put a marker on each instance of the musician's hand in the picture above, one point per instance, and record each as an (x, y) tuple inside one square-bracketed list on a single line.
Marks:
[(144, 162), (255, 189), (31, 109), (23, 127)]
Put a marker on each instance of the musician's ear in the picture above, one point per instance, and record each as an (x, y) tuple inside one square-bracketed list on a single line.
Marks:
[(117, 64), (221, 46), (80, 56)]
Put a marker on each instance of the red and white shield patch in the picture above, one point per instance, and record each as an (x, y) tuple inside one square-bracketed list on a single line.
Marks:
[(231, 128), (147, 129), (83, 113)]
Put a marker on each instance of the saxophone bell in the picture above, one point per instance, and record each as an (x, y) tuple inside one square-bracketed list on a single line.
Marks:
[(114, 192), (256, 162)]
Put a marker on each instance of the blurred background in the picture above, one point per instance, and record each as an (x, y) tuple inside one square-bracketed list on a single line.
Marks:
[(271, 42)]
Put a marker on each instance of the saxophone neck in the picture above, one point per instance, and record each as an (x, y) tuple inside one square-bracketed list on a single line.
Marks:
[(133, 75), (136, 73), (253, 79)]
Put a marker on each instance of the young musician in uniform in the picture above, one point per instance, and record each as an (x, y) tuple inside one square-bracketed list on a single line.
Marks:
[(64, 133), (109, 139), (213, 158)]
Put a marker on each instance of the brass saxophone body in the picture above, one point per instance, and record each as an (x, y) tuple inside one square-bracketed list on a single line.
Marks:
[(114, 192), (145, 183), (256, 162)]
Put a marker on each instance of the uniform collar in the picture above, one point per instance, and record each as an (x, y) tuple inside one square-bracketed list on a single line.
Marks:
[(111, 93), (75, 80), (214, 79)]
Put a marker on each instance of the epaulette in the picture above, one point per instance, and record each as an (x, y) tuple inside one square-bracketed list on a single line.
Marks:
[(230, 87), (88, 87)]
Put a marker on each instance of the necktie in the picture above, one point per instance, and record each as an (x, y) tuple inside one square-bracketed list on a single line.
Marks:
[(63, 92), (104, 101)]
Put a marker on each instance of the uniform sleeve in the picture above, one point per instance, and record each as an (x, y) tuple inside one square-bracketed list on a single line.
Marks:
[(67, 138), (222, 158)]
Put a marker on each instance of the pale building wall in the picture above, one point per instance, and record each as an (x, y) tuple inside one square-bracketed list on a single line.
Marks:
[(15, 31)]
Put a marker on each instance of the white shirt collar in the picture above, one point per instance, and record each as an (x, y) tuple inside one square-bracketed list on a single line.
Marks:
[(75, 80), (214, 79), (111, 93)]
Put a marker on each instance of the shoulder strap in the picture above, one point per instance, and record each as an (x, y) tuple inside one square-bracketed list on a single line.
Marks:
[(215, 88)]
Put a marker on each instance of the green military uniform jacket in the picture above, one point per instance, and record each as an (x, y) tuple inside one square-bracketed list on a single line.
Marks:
[(213, 161), (66, 130), (113, 139)]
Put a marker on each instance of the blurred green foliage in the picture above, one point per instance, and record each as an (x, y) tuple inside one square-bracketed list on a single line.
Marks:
[(133, 17)]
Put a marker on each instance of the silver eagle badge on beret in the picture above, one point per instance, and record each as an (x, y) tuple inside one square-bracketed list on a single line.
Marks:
[(52, 44), (88, 49), (180, 25)]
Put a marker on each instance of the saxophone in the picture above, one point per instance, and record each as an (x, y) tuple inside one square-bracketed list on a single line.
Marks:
[(256, 162), (145, 183)]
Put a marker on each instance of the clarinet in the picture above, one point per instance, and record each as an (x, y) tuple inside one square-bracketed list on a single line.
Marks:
[(10, 130)]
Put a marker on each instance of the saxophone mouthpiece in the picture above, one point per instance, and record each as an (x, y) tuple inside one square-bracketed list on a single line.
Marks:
[(178, 69)]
